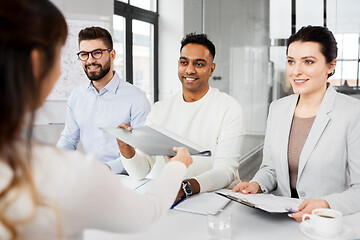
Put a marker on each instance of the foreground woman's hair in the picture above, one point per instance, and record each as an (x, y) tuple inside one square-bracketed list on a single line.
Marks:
[(26, 25)]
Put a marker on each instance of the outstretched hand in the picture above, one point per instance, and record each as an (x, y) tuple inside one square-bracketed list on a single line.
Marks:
[(125, 149), (182, 155)]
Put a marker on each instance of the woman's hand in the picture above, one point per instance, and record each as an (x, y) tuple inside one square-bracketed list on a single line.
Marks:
[(246, 187), (182, 155), (307, 206)]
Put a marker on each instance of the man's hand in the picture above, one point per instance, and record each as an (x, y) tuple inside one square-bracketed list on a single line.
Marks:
[(246, 187), (195, 189), (307, 206), (125, 149)]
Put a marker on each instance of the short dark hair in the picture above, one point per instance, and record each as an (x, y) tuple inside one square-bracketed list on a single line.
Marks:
[(318, 34), (92, 33), (201, 39)]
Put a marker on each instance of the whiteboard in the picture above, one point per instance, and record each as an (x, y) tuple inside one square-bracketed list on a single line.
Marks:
[(72, 74)]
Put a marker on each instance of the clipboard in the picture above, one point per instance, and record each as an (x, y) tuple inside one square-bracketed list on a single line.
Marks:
[(265, 202), (238, 200)]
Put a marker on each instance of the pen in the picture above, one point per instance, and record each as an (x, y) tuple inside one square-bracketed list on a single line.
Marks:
[(142, 184), (291, 210), (178, 201)]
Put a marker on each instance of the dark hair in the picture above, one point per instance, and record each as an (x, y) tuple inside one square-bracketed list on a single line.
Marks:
[(26, 25), (317, 34), (201, 39), (92, 33)]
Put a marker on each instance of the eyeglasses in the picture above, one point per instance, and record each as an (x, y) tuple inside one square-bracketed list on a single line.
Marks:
[(97, 54)]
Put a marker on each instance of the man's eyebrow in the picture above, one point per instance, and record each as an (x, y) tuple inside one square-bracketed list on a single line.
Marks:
[(200, 60), (196, 60)]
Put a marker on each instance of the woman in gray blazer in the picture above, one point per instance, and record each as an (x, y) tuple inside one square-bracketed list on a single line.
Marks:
[(312, 141)]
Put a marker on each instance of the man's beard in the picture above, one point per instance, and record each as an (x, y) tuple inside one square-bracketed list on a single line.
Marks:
[(93, 76)]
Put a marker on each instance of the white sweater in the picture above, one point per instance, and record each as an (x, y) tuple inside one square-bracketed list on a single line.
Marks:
[(213, 122), (87, 195)]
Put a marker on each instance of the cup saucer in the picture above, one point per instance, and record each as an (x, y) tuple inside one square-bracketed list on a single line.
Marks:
[(345, 234)]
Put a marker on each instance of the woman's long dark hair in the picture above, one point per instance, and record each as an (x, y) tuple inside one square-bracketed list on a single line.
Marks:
[(25, 25)]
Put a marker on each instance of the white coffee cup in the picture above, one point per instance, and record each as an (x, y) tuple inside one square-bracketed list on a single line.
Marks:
[(325, 222)]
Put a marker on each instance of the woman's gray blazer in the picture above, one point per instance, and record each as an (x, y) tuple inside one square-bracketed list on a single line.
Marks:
[(329, 164)]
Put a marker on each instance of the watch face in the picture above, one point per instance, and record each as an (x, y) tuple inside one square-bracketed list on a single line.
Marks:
[(187, 188)]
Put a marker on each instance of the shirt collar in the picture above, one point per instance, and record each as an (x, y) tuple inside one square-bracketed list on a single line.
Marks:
[(114, 83), (112, 86)]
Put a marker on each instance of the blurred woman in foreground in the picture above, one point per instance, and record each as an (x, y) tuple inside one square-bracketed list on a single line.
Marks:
[(46, 193)]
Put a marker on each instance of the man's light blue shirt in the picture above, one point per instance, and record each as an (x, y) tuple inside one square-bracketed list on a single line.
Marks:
[(87, 110)]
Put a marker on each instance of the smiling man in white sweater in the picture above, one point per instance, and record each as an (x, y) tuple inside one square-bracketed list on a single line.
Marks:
[(201, 114)]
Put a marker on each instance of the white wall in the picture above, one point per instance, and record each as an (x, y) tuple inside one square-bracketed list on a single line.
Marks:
[(171, 28), (85, 7)]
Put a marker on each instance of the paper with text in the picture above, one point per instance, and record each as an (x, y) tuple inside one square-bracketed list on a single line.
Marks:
[(268, 202)]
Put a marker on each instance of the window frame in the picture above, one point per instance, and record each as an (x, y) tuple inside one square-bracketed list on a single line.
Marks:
[(130, 13)]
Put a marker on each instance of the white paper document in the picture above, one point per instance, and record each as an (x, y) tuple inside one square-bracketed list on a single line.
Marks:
[(155, 140), (267, 202), (203, 203)]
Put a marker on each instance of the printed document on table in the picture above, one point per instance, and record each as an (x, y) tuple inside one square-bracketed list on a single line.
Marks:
[(155, 140), (267, 202), (203, 203)]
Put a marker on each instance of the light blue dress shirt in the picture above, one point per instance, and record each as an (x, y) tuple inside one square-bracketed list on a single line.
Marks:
[(87, 110)]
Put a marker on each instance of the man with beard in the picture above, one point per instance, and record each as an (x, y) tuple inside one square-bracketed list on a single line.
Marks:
[(104, 102)]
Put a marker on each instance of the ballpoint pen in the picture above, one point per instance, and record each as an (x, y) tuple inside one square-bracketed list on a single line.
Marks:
[(291, 210), (177, 202)]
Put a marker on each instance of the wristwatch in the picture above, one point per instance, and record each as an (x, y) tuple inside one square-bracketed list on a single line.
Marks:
[(186, 186)]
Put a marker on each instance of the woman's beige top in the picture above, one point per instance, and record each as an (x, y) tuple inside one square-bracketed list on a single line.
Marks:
[(299, 131), (82, 193)]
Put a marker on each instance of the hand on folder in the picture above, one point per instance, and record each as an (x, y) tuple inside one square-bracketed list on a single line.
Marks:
[(125, 149), (246, 187)]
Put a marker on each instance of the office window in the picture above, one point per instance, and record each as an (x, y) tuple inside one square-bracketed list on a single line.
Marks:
[(136, 32), (346, 75), (145, 4), (341, 17), (143, 55), (119, 46)]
